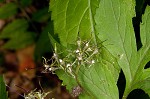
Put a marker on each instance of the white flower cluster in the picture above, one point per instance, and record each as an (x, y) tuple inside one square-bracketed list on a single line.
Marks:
[(36, 95), (84, 55)]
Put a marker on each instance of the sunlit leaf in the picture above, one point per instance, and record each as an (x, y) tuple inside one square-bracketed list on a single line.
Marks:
[(142, 78), (110, 21), (72, 17), (97, 81), (118, 31)]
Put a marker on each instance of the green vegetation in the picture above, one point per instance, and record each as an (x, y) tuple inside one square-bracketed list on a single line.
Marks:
[(109, 20), (93, 41)]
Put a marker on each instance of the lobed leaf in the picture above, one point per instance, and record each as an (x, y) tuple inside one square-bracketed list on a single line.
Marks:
[(111, 21), (142, 77), (69, 19), (114, 23)]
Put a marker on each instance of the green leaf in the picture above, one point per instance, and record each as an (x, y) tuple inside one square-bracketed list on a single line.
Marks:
[(8, 10), (142, 78), (114, 24), (2, 1), (25, 3), (16, 25), (70, 18), (65, 77), (145, 30), (41, 15), (3, 93), (99, 81), (17, 35), (20, 39), (42, 45)]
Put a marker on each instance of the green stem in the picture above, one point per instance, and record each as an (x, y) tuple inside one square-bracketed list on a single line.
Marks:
[(77, 69), (124, 96), (126, 93)]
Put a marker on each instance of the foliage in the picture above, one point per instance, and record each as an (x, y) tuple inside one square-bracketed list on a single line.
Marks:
[(109, 21), (106, 25), (8, 10), (24, 24), (16, 32), (3, 93), (43, 40), (22, 30), (2, 0)]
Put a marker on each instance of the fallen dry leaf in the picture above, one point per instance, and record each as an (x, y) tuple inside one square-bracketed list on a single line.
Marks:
[(26, 61)]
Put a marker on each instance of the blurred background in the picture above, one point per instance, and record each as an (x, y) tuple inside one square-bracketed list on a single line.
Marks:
[(24, 28)]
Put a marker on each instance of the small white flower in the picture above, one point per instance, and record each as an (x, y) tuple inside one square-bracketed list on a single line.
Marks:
[(77, 51), (60, 60), (46, 66), (68, 65), (87, 44), (50, 69), (93, 61)]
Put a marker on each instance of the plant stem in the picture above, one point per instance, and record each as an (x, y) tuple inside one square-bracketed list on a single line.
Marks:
[(77, 69), (126, 93)]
